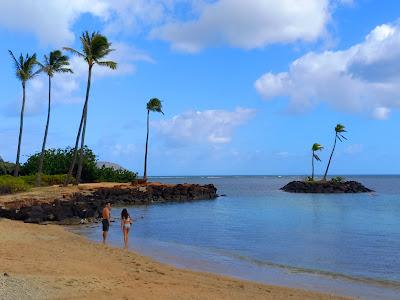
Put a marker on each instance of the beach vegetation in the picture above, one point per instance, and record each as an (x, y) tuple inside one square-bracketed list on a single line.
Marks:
[(315, 147), (57, 162), (56, 62), (337, 179), (339, 131), (11, 185), (108, 174), (24, 70), (95, 47), (154, 105), (6, 168), (46, 180)]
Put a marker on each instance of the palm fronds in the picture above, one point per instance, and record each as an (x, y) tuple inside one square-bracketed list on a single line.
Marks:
[(340, 129), (95, 47), (155, 105), (24, 66)]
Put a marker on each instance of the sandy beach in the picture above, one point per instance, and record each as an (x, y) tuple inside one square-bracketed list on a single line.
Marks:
[(48, 262)]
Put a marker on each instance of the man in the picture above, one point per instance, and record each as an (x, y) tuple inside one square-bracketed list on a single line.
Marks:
[(106, 215)]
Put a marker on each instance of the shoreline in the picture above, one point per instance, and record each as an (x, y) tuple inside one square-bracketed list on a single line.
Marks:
[(48, 260), (84, 203), (201, 259)]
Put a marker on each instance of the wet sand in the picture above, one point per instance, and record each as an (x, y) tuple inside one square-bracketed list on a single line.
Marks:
[(48, 262)]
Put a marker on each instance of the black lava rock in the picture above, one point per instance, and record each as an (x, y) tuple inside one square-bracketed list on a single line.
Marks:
[(325, 187)]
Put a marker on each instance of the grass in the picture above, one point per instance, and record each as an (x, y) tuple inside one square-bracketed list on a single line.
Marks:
[(11, 185), (47, 180)]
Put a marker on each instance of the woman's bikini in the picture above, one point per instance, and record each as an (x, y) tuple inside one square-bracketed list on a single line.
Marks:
[(127, 223)]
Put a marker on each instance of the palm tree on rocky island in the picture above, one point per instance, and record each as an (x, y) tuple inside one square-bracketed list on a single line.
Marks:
[(154, 105), (315, 147), (56, 62), (24, 70), (339, 130), (95, 47)]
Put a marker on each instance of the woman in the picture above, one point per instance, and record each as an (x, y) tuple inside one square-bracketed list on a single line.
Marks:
[(126, 222)]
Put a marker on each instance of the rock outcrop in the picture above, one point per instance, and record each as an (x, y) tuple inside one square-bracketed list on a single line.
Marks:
[(325, 187), (87, 205)]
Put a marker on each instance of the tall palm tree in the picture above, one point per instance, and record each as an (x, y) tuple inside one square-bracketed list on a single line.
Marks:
[(95, 47), (56, 62), (315, 147), (339, 130), (24, 69), (153, 105)]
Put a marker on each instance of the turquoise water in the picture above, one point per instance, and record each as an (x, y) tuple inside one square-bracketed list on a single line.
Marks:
[(347, 244)]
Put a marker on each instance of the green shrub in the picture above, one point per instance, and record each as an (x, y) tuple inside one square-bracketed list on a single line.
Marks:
[(337, 179), (47, 180), (11, 185), (6, 168), (112, 175), (58, 161)]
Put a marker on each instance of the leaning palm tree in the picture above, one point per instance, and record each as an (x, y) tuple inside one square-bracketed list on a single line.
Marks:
[(339, 130), (94, 48), (56, 62), (24, 69), (154, 105), (315, 147)]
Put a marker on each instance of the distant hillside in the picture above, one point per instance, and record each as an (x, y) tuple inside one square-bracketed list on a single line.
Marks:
[(107, 164)]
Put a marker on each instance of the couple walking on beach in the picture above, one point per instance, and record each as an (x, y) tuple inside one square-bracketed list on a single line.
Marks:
[(126, 223)]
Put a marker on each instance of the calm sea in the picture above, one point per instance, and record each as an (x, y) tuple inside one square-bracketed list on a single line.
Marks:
[(341, 243)]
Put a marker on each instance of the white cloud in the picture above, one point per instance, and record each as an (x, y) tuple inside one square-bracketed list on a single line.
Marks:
[(123, 149), (363, 78), (52, 20), (248, 24), (134, 15), (354, 149), (209, 126), (189, 25), (381, 113), (49, 20)]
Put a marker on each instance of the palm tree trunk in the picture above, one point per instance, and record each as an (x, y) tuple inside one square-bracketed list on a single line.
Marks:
[(330, 158), (312, 164), (80, 164), (74, 156), (40, 169), (21, 126), (147, 143)]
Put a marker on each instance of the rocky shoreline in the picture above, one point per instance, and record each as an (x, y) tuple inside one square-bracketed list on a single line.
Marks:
[(86, 205), (325, 187)]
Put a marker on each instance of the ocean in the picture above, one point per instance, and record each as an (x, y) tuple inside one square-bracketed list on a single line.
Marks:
[(348, 244)]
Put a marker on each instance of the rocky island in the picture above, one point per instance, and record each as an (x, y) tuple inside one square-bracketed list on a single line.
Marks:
[(325, 187), (73, 205)]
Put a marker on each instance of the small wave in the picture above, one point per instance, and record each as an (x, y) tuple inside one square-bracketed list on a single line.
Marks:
[(294, 269), (168, 177)]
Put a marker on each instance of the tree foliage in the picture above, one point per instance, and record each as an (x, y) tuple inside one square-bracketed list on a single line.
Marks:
[(57, 162)]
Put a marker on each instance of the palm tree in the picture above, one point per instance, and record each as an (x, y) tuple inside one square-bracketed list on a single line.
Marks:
[(154, 105), (339, 130), (24, 69), (94, 48), (315, 147), (56, 62)]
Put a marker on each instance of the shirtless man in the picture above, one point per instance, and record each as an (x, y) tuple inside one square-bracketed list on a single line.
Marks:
[(106, 215)]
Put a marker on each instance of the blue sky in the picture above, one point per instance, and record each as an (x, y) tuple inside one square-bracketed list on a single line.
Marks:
[(247, 86)]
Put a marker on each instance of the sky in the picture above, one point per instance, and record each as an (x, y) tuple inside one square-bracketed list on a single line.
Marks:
[(247, 86)]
